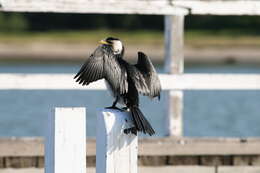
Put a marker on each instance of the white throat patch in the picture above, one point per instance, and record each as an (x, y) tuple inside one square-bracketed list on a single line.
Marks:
[(117, 46)]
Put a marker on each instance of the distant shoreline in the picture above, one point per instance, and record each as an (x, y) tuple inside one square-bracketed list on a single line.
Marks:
[(79, 52), (228, 46)]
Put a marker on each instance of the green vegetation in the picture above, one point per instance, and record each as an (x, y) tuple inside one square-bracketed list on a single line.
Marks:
[(201, 31), (88, 36), (13, 23), (192, 38), (222, 38)]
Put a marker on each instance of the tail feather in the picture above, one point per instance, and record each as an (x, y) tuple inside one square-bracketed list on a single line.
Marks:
[(141, 123), (137, 120)]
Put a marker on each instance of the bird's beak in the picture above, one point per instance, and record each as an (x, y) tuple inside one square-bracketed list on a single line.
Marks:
[(103, 42)]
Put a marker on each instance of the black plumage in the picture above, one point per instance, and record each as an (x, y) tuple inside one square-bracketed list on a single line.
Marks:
[(124, 80)]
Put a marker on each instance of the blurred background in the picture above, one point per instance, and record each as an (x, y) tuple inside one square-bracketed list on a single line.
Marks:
[(59, 43)]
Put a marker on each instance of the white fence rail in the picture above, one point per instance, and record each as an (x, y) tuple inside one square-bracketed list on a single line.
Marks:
[(16, 81), (160, 7)]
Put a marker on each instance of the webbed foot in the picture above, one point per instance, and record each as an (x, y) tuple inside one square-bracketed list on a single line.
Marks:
[(125, 108), (114, 107)]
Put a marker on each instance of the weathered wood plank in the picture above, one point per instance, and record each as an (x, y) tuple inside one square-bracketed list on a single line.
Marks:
[(154, 161), (93, 6), (174, 64), (177, 169), (40, 162), (174, 42), (238, 169), (150, 169), (198, 147), (21, 146), (22, 170), (215, 160), (18, 162), (242, 160), (159, 7), (143, 160), (147, 147), (183, 160), (2, 162), (169, 82), (255, 160), (220, 7)]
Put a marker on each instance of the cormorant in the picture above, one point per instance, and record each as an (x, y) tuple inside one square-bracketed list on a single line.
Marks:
[(124, 80)]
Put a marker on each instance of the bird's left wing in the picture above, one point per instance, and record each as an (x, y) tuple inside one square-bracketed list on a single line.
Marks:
[(146, 68)]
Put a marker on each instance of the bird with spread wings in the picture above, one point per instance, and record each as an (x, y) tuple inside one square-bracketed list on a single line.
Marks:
[(123, 79)]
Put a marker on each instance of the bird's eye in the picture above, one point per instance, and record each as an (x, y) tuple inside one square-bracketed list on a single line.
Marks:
[(109, 41)]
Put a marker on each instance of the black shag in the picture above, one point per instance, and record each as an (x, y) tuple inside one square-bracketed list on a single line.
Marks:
[(124, 80)]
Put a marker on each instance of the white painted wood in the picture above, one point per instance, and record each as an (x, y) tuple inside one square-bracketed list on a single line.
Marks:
[(174, 64), (161, 7), (174, 40), (93, 6), (220, 7), (173, 119), (116, 151), (211, 82), (193, 81), (44, 81), (65, 141)]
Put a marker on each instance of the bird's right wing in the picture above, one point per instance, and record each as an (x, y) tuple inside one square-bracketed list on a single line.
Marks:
[(93, 69)]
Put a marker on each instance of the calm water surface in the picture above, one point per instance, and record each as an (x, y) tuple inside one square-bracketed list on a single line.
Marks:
[(206, 113)]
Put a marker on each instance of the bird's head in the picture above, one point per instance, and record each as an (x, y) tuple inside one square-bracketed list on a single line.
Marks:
[(115, 43)]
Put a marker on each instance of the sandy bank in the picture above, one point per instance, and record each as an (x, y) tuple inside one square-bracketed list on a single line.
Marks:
[(77, 52)]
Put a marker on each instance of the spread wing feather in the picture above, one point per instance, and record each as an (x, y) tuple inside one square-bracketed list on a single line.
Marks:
[(148, 75), (102, 64), (138, 79), (92, 70)]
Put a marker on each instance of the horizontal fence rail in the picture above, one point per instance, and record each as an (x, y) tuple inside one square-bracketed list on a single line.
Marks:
[(160, 7), (16, 81), (94, 6)]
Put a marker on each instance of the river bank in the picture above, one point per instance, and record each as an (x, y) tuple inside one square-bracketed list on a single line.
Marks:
[(51, 51), (200, 46)]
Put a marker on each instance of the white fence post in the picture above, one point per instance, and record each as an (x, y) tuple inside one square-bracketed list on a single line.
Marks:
[(65, 141), (174, 64), (116, 151)]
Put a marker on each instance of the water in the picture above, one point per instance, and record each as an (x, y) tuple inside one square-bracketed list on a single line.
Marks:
[(206, 113)]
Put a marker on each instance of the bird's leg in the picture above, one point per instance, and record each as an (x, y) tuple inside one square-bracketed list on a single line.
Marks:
[(125, 108), (115, 102), (132, 130), (114, 105)]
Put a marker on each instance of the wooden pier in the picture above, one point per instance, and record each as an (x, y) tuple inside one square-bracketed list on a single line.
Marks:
[(29, 152), (217, 155)]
